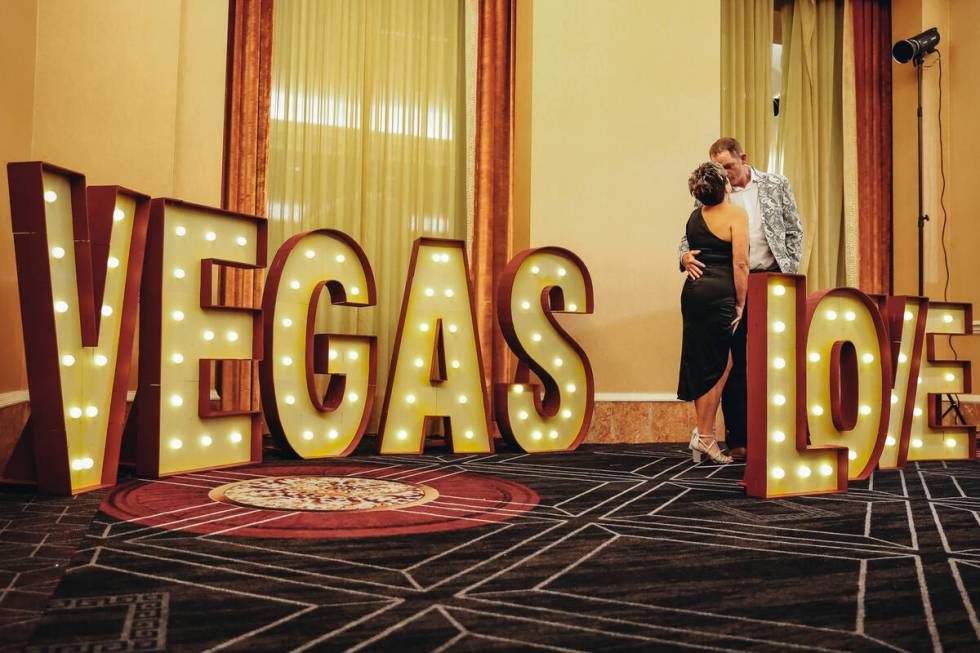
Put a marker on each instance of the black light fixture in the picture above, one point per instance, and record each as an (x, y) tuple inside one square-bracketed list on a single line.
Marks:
[(916, 47)]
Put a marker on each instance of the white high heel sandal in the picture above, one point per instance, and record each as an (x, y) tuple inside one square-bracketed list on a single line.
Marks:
[(712, 450)]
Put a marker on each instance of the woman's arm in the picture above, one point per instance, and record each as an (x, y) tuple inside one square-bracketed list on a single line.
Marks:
[(740, 259)]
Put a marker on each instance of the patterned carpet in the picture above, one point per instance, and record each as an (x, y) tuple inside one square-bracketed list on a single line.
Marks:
[(613, 547)]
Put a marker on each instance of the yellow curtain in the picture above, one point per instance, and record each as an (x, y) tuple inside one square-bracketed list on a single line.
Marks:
[(746, 75), (367, 135), (809, 144)]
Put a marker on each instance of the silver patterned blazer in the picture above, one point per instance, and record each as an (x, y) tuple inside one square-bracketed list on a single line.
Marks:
[(780, 221)]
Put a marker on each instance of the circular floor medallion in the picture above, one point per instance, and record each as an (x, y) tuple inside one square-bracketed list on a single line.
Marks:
[(326, 493), (382, 498)]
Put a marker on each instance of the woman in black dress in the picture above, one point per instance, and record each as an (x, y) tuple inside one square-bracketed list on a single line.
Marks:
[(712, 304)]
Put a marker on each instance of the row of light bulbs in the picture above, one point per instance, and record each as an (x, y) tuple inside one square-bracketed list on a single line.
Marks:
[(210, 236)]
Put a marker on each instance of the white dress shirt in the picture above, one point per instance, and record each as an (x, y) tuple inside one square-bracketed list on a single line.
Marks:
[(760, 256)]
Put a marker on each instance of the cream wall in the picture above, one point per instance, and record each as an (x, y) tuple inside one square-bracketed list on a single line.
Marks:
[(959, 26), (128, 93), (616, 102)]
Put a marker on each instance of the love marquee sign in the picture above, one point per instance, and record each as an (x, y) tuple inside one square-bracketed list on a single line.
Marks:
[(92, 261)]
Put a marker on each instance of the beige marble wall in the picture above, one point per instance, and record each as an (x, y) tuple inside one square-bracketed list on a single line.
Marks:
[(642, 421)]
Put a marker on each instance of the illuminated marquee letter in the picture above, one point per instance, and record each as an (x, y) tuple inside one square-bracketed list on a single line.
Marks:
[(536, 284), (930, 439), (316, 421), (848, 378), (79, 260), (906, 318), (187, 328), (780, 462), (436, 368)]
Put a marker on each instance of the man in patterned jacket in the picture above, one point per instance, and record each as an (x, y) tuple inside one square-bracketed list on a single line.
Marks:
[(775, 245)]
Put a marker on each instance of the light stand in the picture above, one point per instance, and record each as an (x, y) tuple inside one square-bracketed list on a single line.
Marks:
[(915, 49)]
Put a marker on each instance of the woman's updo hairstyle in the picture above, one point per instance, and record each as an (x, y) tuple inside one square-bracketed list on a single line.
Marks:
[(707, 183)]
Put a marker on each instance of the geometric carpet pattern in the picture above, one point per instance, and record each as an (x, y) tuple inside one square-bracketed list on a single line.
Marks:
[(623, 548)]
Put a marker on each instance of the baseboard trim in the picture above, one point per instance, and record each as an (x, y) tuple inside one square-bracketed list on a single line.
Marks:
[(637, 396), (23, 397)]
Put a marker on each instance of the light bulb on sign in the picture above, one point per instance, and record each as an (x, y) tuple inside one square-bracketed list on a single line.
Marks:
[(817, 410), (429, 292), (307, 435), (176, 400), (455, 364), (206, 440), (778, 326), (286, 360), (462, 399), (908, 315), (917, 443), (100, 360), (803, 471), (453, 328), (850, 316), (448, 292), (118, 215), (333, 434), (890, 441), (177, 358), (208, 335), (526, 305), (235, 437), (559, 362), (950, 376), (947, 318), (419, 362), (75, 412), (210, 236), (333, 354), (826, 469), (58, 252), (522, 415), (553, 435), (91, 411), (179, 273), (570, 387), (950, 442), (353, 355), (402, 434), (536, 435), (518, 389), (410, 399), (852, 455), (180, 231), (831, 315), (814, 357), (778, 436), (573, 307), (778, 290), (352, 396), (777, 472), (112, 262), (50, 196), (178, 315), (67, 360), (468, 435), (865, 410), (354, 290), (566, 413), (294, 284), (286, 322), (310, 253), (106, 310), (424, 326), (868, 358), (779, 400), (779, 363), (535, 269), (61, 306), (902, 358), (176, 443), (242, 241), (290, 399)]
